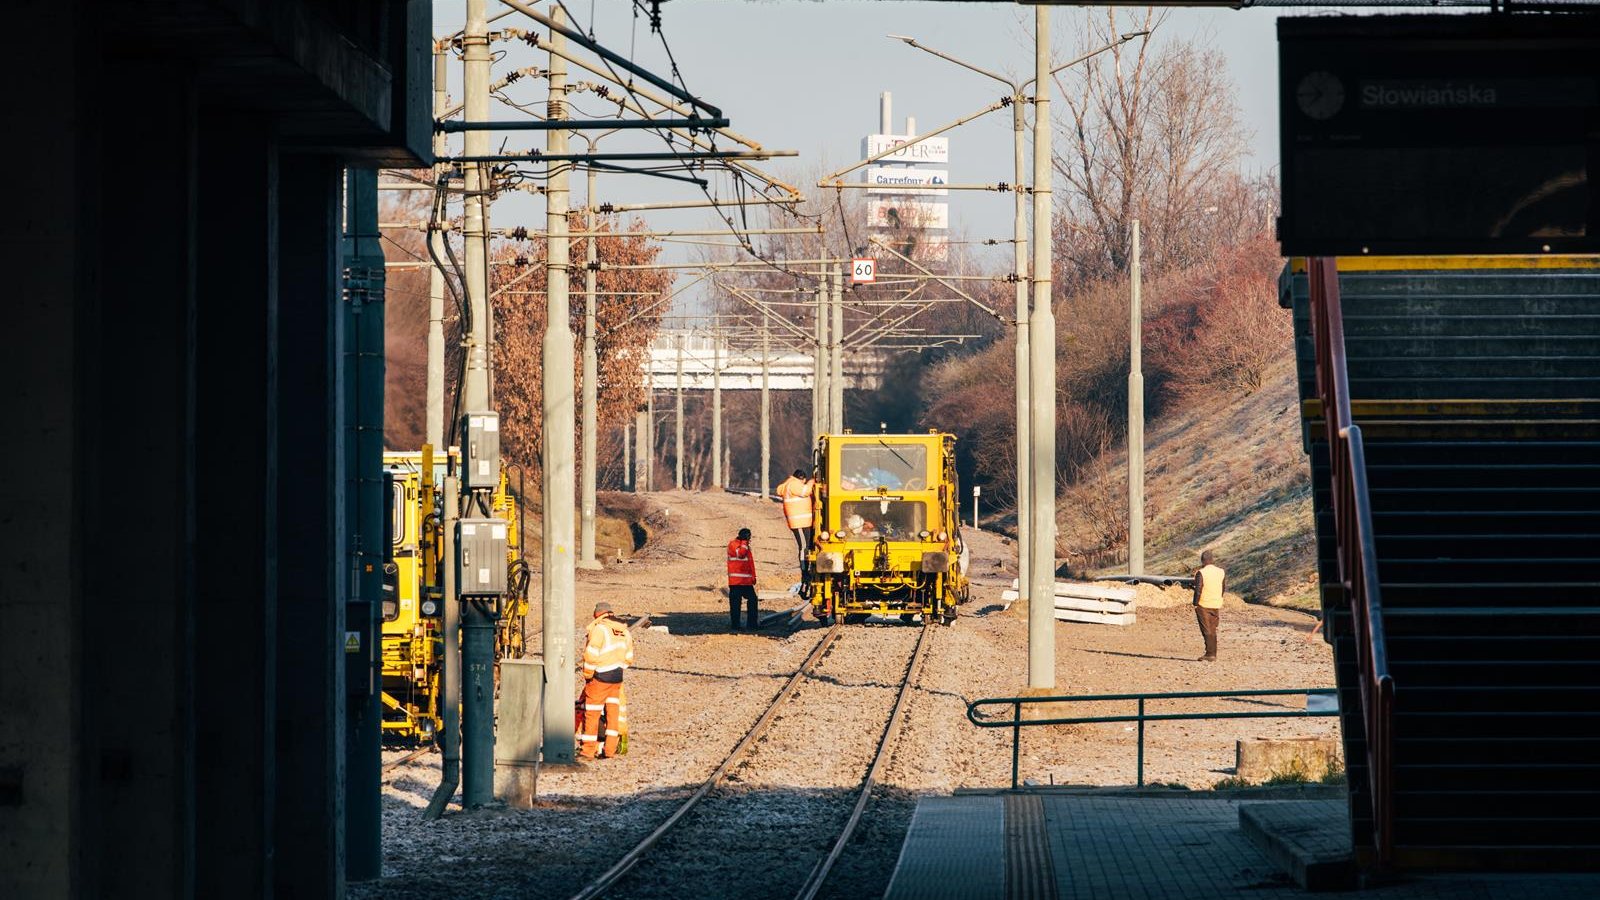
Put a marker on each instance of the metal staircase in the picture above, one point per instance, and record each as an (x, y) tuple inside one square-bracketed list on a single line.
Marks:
[(1458, 529)]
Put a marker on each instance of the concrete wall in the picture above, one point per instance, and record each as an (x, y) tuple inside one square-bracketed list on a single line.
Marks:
[(171, 600), (40, 769)]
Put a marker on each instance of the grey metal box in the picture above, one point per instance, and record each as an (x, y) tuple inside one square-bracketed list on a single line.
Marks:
[(481, 557), (480, 452)]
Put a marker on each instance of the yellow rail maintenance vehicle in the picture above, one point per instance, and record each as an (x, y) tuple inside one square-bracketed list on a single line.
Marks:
[(413, 604), (886, 528)]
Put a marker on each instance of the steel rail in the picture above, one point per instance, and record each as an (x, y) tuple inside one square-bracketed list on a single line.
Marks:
[(614, 874), (819, 875), (396, 763)]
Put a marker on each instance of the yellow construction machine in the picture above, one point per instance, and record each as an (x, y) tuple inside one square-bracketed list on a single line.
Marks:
[(886, 528), (413, 603)]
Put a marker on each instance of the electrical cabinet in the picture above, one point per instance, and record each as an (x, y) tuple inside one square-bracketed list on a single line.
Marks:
[(480, 451), (481, 557)]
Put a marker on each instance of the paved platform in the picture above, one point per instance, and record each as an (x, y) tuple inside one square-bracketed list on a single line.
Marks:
[(1099, 845), (1309, 840)]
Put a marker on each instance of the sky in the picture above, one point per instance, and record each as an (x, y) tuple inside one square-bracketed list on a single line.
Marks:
[(805, 75)]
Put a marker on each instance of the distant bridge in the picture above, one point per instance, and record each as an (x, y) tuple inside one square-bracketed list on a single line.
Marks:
[(740, 367)]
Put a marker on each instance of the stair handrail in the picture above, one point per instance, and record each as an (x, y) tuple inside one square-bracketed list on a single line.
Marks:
[(1356, 548)]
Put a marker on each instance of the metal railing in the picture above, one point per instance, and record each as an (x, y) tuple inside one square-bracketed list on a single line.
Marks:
[(1356, 548), (1016, 723)]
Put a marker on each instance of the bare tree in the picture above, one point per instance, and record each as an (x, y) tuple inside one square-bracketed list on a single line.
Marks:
[(1150, 131)]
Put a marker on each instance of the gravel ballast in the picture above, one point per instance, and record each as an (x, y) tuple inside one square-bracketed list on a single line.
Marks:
[(696, 690)]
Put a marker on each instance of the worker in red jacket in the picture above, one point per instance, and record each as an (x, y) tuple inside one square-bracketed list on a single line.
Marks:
[(742, 580)]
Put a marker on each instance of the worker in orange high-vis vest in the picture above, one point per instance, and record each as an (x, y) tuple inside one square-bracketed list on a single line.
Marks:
[(795, 493), (607, 654), (1208, 582), (742, 580)]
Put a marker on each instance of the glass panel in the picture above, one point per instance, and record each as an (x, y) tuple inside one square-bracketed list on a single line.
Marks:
[(866, 467), (397, 509), (867, 520)]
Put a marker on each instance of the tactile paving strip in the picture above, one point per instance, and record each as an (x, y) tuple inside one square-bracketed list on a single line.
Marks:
[(1030, 872)]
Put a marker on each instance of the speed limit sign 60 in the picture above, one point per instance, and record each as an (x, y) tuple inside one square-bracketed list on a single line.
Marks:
[(863, 271)]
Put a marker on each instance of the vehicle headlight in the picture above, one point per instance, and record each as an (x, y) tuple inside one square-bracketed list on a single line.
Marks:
[(924, 535), (430, 607), (830, 562), (839, 534), (937, 561), (944, 535)]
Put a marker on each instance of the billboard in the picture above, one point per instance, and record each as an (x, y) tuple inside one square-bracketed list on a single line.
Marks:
[(897, 214), (922, 246), (906, 180), (927, 150)]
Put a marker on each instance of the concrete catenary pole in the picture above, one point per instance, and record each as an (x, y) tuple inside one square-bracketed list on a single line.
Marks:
[(559, 581), (678, 482), (649, 456), (627, 454), (1042, 391), (766, 403), (1135, 416), (435, 386), (716, 404), (450, 674), (643, 441), (836, 353), (477, 617), (1019, 261), (821, 390), (591, 376)]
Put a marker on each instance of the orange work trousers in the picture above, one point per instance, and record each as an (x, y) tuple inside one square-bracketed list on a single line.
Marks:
[(600, 697)]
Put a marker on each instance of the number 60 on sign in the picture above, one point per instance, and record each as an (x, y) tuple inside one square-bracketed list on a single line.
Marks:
[(863, 271)]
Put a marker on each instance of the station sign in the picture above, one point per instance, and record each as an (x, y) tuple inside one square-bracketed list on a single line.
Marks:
[(1439, 135), (898, 214), (906, 180), (927, 150)]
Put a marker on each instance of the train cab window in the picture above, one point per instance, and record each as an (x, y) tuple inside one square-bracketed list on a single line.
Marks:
[(896, 520), (896, 466), (397, 512)]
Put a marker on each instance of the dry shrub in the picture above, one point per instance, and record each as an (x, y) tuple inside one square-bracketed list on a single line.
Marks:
[(1219, 329), (975, 397), (1094, 529)]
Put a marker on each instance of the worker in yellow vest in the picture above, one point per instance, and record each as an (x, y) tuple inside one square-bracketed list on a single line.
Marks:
[(795, 493), (1208, 582), (607, 653)]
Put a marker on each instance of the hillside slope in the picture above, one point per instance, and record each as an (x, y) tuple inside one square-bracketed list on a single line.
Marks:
[(1229, 475)]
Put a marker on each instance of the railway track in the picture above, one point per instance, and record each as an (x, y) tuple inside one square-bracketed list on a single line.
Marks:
[(881, 755), (393, 764)]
